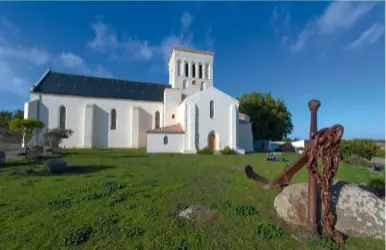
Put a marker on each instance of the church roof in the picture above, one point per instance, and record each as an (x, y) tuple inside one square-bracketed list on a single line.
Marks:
[(175, 128), (91, 86)]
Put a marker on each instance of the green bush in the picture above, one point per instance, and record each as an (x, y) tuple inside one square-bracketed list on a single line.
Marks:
[(269, 231), (205, 151), (53, 137), (227, 151), (357, 151)]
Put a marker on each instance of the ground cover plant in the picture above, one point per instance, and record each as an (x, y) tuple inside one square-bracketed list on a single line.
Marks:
[(127, 199)]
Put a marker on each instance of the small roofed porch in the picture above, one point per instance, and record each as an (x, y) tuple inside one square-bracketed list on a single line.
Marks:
[(169, 139)]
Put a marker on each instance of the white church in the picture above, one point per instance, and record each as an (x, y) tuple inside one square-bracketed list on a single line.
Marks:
[(184, 116)]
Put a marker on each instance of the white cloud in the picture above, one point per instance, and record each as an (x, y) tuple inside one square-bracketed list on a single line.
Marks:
[(11, 81), (369, 36), (186, 20), (107, 41), (75, 62), (338, 15), (281, 18), (8, 25), (34, 56)]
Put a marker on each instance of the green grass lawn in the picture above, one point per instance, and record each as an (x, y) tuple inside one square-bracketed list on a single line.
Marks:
[(128, 200)]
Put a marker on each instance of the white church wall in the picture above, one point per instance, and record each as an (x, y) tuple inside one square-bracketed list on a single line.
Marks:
[(172, 99), (219, 123), (103, 136), (181, 115), (156, 143), (245, 137)]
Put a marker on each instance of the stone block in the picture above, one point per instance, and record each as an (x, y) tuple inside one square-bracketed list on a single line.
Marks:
[(56, 166)]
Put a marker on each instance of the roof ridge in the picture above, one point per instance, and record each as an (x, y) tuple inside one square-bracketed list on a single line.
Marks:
[(107, 78)]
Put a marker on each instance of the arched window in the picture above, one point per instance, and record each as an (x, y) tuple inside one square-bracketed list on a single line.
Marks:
[(200, 71), (186, 69), (211, 109), (203, 85), (165, 140), (184, 84), (206, 71), (193, 70), (157, 119), (62, 117), (113, 119)]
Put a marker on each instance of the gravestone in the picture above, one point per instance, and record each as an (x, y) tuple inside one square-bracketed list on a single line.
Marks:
[(56, 166), (2, 157)]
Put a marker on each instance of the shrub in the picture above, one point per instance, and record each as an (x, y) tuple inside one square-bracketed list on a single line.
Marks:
[(227, 151), (357, 150), (205, 151), (269, 231), (54, 137), (245, 210), (77, 236)]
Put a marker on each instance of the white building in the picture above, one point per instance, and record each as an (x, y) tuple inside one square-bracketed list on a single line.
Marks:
[(184, 116)]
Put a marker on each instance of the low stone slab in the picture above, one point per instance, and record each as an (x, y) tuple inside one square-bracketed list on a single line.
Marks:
[(2, 157), (199, 214), (359, 212), (56, 166)]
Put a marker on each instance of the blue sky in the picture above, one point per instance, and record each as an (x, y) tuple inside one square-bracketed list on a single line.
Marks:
[(332, 51)]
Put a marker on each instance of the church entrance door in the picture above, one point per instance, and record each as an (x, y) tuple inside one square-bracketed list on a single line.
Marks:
[(212, 141)]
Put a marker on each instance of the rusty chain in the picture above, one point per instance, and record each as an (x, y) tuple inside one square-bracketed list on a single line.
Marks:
[(325, 146)]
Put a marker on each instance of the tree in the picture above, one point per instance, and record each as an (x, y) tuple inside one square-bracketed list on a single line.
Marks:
[(270, 118), (27, 128), (5, 118), (18, 114)]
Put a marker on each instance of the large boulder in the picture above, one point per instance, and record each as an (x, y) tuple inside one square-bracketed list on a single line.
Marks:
[(56, 166), (358, 211)]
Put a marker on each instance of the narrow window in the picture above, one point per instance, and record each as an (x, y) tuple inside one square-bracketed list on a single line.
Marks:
[(206, 71), (193, 70), (186, 69), (172, 116), (157, 119), (165, 140), (113, 119), (62, 117), (178, 68), (184, 84), (211, 109), (200, 71)]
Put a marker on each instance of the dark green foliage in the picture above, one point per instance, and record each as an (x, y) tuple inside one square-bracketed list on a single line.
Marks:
[(150, 183), (269, 231), (324, 243), (245, 210), (107, 220), (181, 245), (111, 187), (29, 182), (118, 198), (380, 153), (77, 236), (151, 212), (61, 204), (131, 206), (270, 118), (356, 150), (227, 151), (134, 232), (93, 196), (205, 151)]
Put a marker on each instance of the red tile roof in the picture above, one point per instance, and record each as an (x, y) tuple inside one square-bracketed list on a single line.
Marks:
[(175, 128), (242, 114)]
